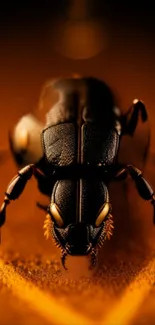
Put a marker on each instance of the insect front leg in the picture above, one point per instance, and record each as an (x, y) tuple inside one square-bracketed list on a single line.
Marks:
[(16, 187), (130, 119), (144, 188)]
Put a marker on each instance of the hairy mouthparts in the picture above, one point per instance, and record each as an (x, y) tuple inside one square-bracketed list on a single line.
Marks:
[(106, 234)]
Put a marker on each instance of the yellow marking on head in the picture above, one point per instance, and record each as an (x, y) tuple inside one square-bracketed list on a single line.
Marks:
[(103, 213), (56, 214)]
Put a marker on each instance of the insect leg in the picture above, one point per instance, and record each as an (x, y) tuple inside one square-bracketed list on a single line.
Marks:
[(144, 188), (130, 119), (16, 187)]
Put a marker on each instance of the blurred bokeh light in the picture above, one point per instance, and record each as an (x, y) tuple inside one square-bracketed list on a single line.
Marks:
[(80, 39), (80, 35)]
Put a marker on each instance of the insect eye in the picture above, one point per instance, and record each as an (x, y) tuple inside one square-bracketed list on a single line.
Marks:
[(56, 214), (103, 213)]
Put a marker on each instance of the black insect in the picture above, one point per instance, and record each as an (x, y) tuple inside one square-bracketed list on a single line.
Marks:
[(77, 161)]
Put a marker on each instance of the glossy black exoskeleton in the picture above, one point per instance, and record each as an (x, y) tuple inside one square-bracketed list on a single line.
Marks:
[(77, 161)]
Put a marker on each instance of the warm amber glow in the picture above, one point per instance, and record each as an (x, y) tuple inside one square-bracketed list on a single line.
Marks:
[(76, 76), (45, 304), (80, 39), (113, 294), (126, 307), (21, 138)]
